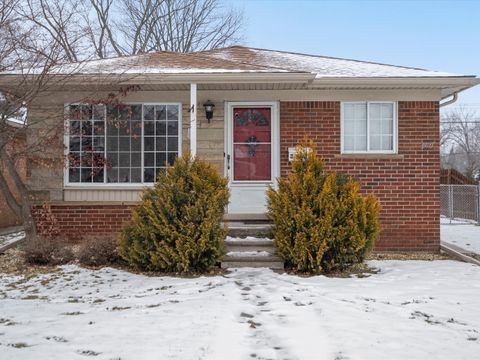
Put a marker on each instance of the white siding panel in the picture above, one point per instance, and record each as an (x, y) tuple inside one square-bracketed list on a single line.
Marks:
[(107, 195)]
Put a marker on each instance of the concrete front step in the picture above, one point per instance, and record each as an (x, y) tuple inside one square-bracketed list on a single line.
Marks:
[(251, 252), (250, 244), (245, 217), (238, 247), (244, 230), (242, 225), (271, 262)]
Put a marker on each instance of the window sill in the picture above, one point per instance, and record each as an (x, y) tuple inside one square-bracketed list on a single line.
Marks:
[(139, 187), (369, 156)]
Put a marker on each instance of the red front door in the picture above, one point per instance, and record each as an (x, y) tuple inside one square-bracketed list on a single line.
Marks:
[(252, 144)]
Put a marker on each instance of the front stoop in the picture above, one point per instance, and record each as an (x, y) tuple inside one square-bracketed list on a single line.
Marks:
[(243, 225), (251, 252)]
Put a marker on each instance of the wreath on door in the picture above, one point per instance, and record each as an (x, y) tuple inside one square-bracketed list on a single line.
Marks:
[(251, 116), (252, 145)]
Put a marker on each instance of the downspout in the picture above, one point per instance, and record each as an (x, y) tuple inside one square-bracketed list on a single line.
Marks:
[(451, 101)]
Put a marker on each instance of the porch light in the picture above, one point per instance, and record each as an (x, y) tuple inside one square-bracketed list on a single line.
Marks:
[(209, 110)]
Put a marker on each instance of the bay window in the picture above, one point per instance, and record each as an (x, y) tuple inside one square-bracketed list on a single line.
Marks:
[(121, 144), (369, 127)]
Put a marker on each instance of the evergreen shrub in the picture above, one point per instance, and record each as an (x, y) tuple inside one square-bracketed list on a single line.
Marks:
[(321, 221), (177, 227)]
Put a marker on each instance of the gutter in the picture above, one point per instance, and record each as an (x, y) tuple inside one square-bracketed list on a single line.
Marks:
[(13, 80), (426, 82), (451, 101)]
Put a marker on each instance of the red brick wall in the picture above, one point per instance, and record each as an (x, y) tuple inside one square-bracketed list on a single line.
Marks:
[(78, 221), (406, 184)]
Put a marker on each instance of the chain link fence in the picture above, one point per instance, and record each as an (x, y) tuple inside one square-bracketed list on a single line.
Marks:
[(460, 202)]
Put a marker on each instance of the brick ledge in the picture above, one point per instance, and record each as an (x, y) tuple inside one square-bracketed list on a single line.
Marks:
[(369, 156)]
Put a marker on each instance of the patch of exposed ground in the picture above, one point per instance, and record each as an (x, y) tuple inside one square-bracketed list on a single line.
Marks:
[(12, 262)]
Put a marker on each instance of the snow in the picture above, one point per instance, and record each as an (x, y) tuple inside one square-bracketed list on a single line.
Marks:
[(252, 239), (324, 66), (248, 253), (153, 63), (239, 59), (7, 239), (409, 310), (462, 234)]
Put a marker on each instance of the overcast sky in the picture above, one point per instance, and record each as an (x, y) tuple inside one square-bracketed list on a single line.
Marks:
[(437, 35)]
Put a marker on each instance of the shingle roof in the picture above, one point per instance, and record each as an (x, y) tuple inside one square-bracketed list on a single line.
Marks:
[(322, 66), (238, 59), (166, 62)]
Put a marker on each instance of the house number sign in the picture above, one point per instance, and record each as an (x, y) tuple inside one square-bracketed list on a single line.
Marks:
[(427, 145)]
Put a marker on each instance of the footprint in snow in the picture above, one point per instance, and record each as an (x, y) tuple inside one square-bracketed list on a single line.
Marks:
[(340, 356), (88, 352), (426, 317), (254, 324), (453, 321), (246, 315), (73, 313), (57, 339), (19, 345)]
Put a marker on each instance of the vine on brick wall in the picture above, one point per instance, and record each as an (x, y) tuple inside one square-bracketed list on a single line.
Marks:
[(46, 222)]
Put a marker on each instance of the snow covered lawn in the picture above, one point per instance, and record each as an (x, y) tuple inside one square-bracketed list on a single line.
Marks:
[(464, 235), (409, 310)]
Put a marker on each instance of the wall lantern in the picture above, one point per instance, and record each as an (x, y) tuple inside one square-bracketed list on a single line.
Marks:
[(209, 110)]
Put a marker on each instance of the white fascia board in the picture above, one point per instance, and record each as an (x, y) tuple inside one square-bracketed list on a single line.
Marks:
[(434, 82), (199, 78)]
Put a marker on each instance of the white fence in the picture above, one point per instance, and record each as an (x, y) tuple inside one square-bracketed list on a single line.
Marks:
[(460, 202)]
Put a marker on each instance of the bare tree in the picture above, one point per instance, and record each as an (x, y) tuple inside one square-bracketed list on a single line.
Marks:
[(460, 139), (33, 59), (37, 35), (14, 127), (178, 25), (86, 29)]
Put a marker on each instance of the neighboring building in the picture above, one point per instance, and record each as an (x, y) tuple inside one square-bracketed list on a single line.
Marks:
[(7, 216), (461, 162), (376, 122)]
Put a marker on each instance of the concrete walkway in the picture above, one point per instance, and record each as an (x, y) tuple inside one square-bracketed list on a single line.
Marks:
[(461, 239), (10, 237)]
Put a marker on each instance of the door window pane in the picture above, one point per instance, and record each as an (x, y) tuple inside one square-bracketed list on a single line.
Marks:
[(252, 129), (252, 162), (251, 125)]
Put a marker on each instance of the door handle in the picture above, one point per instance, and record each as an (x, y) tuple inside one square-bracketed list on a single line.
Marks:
[(228, 162)]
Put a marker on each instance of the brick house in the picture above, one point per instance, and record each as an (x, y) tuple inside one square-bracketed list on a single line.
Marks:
[(377, 122)]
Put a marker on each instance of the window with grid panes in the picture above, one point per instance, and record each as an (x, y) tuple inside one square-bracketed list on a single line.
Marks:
[(368, 127), (121, 144)]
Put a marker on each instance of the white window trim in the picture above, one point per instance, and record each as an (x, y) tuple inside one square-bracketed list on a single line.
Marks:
[(395, 128), (117, 186)]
